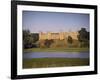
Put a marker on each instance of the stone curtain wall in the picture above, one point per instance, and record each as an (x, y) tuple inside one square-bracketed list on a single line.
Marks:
[(60, 35)]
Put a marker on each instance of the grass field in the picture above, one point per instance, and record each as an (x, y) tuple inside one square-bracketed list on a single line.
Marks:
[(56, 49), (54, 62)]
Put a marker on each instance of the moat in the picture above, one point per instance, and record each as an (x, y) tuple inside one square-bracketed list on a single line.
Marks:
[(30, 55)]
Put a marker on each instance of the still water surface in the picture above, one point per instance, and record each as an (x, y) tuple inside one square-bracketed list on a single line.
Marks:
[(31, 55)]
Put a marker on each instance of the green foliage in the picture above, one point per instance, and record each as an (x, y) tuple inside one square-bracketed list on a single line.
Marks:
[(83, 37), (48, 43), (70, 40), (29, 39), (28, 42), (61, 49), (26, 39), (54, 62), (35, 37), (59, 44), (25, 33)]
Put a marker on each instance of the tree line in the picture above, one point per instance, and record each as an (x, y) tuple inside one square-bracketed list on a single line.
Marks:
[(31, 40), (83, 38)]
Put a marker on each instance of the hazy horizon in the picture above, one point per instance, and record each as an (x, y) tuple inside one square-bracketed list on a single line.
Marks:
[(39, 21)]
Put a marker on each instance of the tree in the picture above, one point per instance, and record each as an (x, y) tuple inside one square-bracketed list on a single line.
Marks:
[(48, 42), (70, 41), (28, 42), (35, 37), (27, 39), (83, 37), (26, 33)]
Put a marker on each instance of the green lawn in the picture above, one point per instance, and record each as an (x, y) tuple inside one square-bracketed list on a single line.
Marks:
[(56, 49), (54, 62)]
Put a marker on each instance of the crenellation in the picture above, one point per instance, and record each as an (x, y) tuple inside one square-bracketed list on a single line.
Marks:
[(60, 35)]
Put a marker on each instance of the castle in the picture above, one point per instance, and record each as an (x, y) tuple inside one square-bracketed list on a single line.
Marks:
[(60, 35)]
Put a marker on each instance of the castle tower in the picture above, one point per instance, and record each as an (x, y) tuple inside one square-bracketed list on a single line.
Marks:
[(40, 35), (49, 35), (61, 34)]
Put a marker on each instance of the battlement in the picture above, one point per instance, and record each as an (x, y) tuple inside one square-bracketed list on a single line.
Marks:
[(60, 35)]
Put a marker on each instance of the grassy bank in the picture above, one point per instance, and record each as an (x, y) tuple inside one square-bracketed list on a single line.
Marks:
[(54, 62), (56, 49)]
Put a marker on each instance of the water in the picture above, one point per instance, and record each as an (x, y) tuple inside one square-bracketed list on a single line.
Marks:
[(31, 55)]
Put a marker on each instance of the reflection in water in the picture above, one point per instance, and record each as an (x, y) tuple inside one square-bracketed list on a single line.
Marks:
[(55, 55)]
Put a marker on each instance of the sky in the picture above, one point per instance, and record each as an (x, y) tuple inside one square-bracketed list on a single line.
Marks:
[(39, 21)]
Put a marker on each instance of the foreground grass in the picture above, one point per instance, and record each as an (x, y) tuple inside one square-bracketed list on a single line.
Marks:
[(54, 62), (56, 49)]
